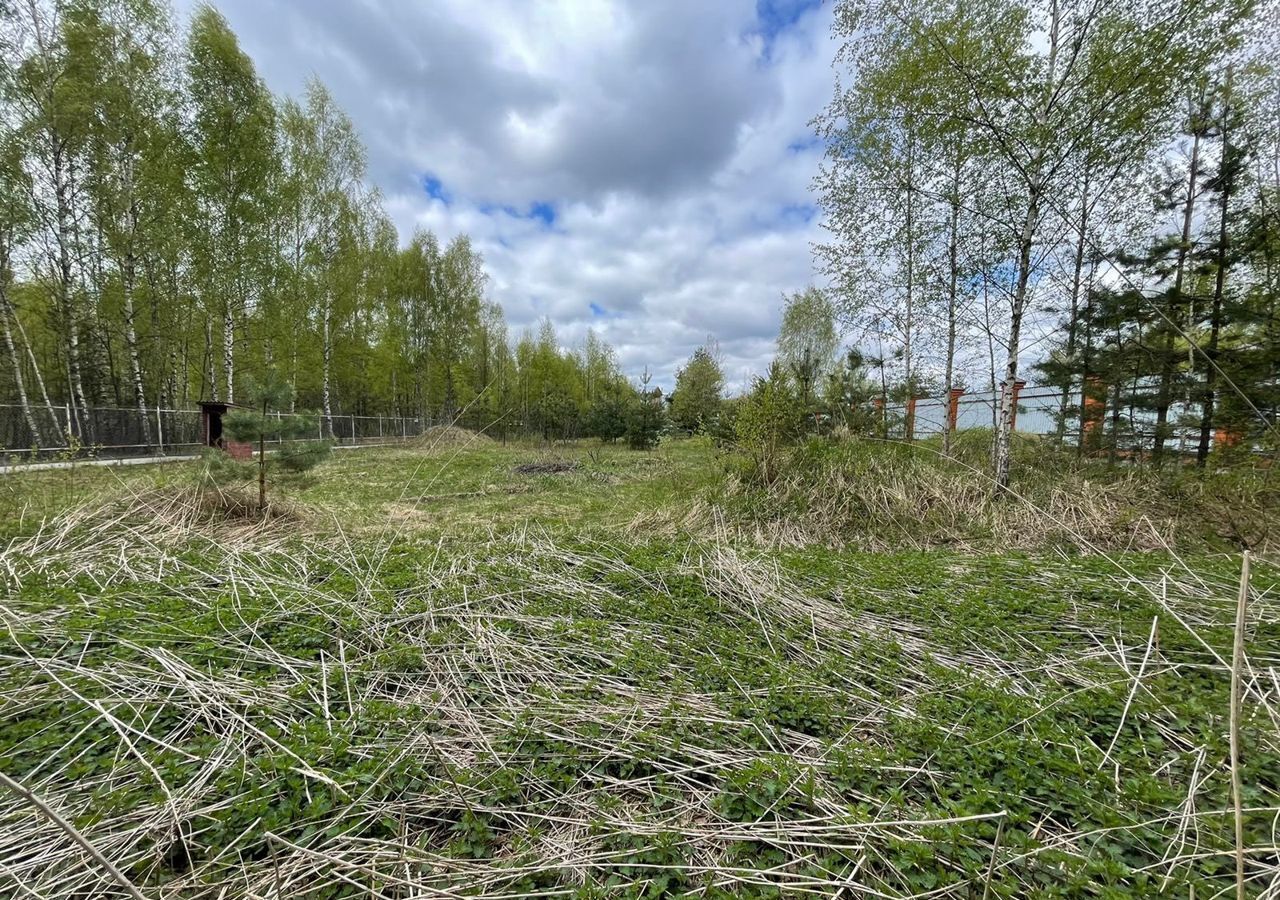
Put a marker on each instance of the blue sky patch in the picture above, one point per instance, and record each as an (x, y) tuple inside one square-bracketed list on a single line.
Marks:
[(797, 213), (543, 211), (435, 189), (776, 16)]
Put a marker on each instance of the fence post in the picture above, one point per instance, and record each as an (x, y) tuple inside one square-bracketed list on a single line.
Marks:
[(953, 408), (1017, 389), (159, 431), (911, 418), (1093, 407)]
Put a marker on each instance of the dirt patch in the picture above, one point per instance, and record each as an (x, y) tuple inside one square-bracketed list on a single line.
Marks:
[(548, 467)]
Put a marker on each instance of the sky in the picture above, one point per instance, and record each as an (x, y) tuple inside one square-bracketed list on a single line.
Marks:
[(640, 167)]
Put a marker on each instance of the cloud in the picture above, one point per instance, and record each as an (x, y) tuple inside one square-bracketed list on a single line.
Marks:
[(641, 167)]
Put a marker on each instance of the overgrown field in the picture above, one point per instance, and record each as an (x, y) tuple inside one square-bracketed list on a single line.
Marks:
[(485, 671)]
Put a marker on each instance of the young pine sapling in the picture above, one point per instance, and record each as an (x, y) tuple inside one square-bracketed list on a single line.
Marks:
[(264, 419)]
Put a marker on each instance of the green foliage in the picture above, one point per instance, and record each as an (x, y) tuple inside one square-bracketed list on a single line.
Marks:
[(646, 417), (607, 419), (807, 341), (772, 787), (848, 396), (265, 423), (695, 403), (769, 419), (156, 188)]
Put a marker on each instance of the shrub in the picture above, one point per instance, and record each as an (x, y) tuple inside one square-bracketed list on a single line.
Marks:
[(769, 419), (607, 419), (261, 422)]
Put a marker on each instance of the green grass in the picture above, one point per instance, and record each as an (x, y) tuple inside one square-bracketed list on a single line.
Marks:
[(419, 490), (528, 692), (478, 487)]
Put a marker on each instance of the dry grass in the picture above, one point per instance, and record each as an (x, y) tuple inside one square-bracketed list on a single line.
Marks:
[(227, 707), (891, 497), (140, 515), (462, 688), (450, 437)]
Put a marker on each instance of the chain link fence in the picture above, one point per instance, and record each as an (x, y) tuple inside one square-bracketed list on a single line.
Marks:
[(116, 432)]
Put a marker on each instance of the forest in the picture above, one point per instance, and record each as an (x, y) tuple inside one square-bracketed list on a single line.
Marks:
[(169, 227)]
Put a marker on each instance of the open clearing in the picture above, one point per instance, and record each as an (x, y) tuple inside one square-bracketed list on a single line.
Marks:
[(434, 675)]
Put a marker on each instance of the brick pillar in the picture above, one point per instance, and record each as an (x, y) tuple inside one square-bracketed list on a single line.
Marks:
[(1093, 407), (1225, 438), (1017, 389), (953, 408), (878, 402)]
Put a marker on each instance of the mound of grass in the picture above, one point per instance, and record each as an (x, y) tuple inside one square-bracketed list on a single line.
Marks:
[(889, 495)]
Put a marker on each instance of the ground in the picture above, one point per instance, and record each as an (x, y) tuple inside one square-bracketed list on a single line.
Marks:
[(434, 674)]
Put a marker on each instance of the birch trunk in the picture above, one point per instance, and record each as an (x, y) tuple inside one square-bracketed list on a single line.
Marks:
[(229, 348), (1004, 432), (953, 283), (6, 314), (65, 293), (127, 273), (1073, 324), (327, 354)]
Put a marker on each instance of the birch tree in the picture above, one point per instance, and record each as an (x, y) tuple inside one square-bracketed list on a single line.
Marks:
[(233, 143), (1045, 82)]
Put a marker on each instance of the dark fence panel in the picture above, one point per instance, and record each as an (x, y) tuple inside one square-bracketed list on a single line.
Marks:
[(122, 432)]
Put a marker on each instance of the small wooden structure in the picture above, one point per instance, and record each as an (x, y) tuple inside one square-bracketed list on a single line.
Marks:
[(211, 413)]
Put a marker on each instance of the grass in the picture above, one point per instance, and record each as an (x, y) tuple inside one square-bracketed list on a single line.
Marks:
[(881, 495), (436, 489), (529, 692)]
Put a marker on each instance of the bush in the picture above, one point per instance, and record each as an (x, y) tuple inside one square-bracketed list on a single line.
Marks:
[(725, 431), (769, 419), (607, 419), (257, 424)]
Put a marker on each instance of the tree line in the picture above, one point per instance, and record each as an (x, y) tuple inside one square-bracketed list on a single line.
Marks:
[(1091, 187), (170, 229)]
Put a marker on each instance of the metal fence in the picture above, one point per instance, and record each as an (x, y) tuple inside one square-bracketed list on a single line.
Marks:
[(124, 432), (1041, 411)]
